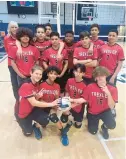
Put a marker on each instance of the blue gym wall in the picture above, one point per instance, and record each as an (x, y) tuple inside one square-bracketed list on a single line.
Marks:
[(109, 17)]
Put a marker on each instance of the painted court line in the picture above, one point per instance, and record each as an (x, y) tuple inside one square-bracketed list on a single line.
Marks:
[(115, 139), (105, 146), (3, 58)]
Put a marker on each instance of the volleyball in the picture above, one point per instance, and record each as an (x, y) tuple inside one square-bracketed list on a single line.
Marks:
[(64, 103)]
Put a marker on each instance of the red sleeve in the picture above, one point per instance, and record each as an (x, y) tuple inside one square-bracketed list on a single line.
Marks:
[(12, 53), (77, 44), (95, 54), (85, 95), (45, 56), (114, 94), (75, 54), (37, 54), (26, 90), (121, 56), (5, 44)]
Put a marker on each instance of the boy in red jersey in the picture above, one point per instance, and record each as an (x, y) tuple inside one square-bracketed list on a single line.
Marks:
[(70, 45), (112, 57), (42, 43), (50, 91), (94, 30), (82, 56), (10, 41), (101, 98), (50, 59), (22, 66), (48, 28), (75, 87), (29, 109)]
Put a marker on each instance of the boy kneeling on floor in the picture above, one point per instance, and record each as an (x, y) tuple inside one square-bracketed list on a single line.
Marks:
[(101, 98)]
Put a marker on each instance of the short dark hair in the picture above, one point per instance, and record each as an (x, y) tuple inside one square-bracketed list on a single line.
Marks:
[(54, 34), (24, 31), (113, 30), (48, 24), (53, 68), (84, 34), (80, 66), (70, 32), (40, 26), (95, 26)]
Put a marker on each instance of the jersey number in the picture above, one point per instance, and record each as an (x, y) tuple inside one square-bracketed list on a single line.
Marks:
[(25, 59), (107, 57), (99, 101)]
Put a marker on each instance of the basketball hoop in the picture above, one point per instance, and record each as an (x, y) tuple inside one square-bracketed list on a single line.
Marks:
[(90, 18)]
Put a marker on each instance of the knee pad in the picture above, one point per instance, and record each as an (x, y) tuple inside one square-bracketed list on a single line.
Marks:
[(53, 117), (64, 118), (77, 126)]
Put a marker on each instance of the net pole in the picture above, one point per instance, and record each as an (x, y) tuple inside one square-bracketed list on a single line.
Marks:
[(58, 18), (39, 11), (73, 22)]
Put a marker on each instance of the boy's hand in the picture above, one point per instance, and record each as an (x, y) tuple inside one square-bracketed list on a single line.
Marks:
[(22, 76), (59, 57), (105, 89), (19, 53), (90, 51)]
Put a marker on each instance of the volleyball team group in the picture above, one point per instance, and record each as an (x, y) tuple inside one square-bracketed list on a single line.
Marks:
[(44, 68)]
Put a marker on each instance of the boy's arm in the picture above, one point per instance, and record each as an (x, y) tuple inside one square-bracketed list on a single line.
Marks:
[(64, 68), (59, 55), (13, 64), (76, 102), (93, 63), (19, 50), (111, 102), (45, 65), (90, 50), (76, 61), (116, 72), (42, 104)]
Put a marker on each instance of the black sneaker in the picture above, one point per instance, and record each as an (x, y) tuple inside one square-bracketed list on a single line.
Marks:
[(113, 112), (104, 132)]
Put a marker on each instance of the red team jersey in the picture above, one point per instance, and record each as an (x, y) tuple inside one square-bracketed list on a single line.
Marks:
[(9, 42), (49, 92), (110, 55), (42, 46), (97, 99), (27, 90), (70, 51), (97, 43), (30, 57), (81, 53), (50, 57), (75, 90)]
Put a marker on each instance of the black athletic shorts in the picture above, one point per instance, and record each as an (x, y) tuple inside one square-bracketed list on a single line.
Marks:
[(106, 117), (38, 115), (78, 116)]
